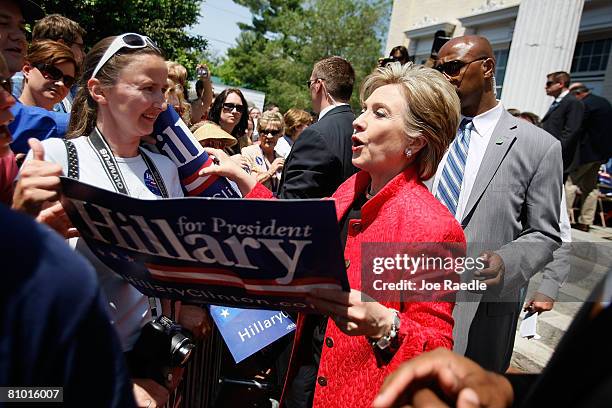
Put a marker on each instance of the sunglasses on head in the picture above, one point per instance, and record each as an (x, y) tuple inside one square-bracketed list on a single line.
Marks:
[(49, 71), (5, 83), (127, 40), (231, 106), (453, 68)]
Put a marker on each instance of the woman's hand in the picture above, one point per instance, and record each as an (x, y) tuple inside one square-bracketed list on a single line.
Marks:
[(354, 313), (242, 162), (196, 320), (55, 217), (38, 182), (277, 165), (227, 167)]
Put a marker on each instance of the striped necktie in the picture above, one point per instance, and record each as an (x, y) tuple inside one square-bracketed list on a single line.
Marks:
[(452, 174)]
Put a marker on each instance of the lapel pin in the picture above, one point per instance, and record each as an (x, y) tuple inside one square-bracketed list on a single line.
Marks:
[(499, 141)]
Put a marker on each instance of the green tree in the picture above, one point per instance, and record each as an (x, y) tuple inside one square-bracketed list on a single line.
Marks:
[(275, 54), (164, 21)]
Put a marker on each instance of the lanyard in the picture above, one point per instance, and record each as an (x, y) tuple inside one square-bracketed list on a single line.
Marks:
[(110, 166)]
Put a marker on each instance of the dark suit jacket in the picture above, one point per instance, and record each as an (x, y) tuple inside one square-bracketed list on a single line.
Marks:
[(595, 140), (320, 159), (564, 122), (579, 374)]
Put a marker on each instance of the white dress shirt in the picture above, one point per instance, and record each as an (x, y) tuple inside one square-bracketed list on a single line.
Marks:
[(479, 140), (330, 107)]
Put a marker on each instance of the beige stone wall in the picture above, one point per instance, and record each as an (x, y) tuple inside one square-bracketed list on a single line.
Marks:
[(409, 14)]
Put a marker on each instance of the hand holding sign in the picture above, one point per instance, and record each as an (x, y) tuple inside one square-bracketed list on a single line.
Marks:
[(226, 167), (351, 314)]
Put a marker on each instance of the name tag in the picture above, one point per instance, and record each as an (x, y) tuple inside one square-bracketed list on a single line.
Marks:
[(246, 331)]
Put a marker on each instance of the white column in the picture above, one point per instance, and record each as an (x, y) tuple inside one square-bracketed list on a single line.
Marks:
[(544, 39)]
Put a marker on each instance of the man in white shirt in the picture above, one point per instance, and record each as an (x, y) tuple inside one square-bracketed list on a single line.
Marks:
[(502, 179)]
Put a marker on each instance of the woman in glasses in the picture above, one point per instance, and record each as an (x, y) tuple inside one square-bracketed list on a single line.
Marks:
[(229, 111), (263, 161), (122, 93), (48, 73), (409, 117)]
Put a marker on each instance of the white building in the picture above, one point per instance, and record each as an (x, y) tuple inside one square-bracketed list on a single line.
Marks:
[(530, 39)]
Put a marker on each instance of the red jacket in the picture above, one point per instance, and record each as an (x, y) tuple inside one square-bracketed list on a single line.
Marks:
[(404, 211)]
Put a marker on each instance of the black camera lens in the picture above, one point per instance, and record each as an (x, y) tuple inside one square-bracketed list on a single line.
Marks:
[(182, 347)]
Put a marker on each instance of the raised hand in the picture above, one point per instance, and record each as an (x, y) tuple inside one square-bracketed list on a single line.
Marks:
[(38, 182)]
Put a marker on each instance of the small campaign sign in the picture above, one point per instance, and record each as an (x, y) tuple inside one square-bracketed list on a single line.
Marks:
[(257, 254), (246, 331)]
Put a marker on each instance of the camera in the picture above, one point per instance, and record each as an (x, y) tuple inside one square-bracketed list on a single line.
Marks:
[(382, 62), (162, 346), (202, 72)]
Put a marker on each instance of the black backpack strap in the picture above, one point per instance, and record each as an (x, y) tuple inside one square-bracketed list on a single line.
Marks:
[(73, 160)]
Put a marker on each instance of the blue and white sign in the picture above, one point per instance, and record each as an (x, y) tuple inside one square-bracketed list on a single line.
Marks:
[(175, 140), (257, 254), (247, 331)]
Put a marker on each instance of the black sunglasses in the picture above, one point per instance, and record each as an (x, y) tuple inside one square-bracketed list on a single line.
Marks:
[(5, 83), (51, 72), (273, 132), (453, 68), (231, 106)]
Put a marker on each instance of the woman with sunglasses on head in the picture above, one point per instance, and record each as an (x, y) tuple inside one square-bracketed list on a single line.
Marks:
[(122, 93), (263, 160), (48, 73), (229, 111)]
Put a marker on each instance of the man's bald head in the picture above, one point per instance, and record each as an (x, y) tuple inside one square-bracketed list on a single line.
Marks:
[(468, 63), (473, 45)]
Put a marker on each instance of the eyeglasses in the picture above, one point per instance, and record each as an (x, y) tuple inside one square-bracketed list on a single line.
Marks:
[(5, 83), (127, 40), (49, 71), (231, 106), (550, 83), (273, 132), (453, 68)]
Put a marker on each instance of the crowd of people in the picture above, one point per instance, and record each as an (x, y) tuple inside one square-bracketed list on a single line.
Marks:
[(433, 157)]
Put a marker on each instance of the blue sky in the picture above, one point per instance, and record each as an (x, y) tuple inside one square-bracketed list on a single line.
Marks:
[(218, 24)]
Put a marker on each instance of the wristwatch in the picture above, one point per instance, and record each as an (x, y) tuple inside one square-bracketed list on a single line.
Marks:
[(385, 341)]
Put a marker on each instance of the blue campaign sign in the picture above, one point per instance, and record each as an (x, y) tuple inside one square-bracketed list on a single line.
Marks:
[(258, 254), (247, 331)]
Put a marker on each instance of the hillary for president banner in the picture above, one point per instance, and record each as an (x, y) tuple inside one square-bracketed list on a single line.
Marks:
[(261, 254)]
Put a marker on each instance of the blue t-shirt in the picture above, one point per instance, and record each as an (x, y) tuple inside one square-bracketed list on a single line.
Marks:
[(54, 328), (39, 123)]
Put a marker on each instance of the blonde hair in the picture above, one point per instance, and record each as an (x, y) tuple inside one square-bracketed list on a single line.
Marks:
[(177, 72), (269, 117), (294, 118), (176, 90), (432, 108)]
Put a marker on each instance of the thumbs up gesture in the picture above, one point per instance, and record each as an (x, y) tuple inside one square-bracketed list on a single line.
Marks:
[(38, 183)]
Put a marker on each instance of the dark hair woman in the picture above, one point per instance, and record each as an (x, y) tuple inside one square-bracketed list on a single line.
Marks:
[(229, 110)]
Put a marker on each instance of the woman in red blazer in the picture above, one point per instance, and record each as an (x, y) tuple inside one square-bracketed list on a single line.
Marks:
[(410, 115)]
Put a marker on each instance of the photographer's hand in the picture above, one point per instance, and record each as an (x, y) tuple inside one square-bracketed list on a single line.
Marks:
[(149, 394)]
